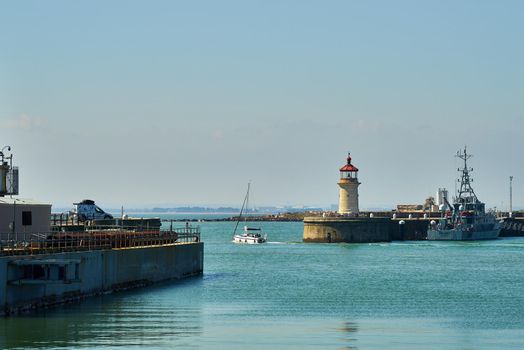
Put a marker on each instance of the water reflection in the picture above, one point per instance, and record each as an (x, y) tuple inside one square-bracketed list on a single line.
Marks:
[(146, 317), (349, 330), (299, 296)]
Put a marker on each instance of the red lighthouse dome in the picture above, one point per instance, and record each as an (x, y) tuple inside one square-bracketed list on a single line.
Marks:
[(348, 171)]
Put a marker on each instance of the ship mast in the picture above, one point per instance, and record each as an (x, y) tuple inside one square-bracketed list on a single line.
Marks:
[(244, 207), (465, 193)]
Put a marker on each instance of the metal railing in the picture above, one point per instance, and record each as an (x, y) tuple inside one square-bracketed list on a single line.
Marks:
[(64, 219), (95, 238)]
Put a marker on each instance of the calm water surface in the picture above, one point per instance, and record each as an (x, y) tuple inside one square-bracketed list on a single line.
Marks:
[(290, 295)]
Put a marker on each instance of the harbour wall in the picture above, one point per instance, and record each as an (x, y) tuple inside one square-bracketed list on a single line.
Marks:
[(415, 229), (512, 227), (346, 229), (39, 281), (363, 229)]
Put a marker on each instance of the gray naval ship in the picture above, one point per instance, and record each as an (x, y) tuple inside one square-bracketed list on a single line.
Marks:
[(468, 219)]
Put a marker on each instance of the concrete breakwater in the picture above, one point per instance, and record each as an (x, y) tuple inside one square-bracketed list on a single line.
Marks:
[(366, 229), (512, 227), (43, 280), (342, 229), (363, 230)]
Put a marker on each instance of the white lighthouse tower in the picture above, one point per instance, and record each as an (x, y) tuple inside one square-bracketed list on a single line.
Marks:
[(348, 194)]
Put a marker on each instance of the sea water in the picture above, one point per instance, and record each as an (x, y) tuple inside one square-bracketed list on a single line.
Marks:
[(290, 295)]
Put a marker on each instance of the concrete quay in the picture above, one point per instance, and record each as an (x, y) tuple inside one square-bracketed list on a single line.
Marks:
[(346, 229), (38, 281), (380, 229), (512, 227), (363, 229)]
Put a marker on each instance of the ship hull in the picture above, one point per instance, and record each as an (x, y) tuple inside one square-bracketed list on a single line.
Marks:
[(248, 239), (459, 235)]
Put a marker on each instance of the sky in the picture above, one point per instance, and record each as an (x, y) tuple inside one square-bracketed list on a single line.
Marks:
[(172, 103)]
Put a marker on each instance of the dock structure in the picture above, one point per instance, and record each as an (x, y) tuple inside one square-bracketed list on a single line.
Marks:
[(364, 229), (46, 262), (346, 229), (512, 226), (69, 266)]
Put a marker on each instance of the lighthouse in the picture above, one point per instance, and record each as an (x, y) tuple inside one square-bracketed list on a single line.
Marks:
[(348, 193)]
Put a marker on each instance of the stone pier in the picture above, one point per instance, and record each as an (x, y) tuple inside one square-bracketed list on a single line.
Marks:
[(363, 229), (346, 229)]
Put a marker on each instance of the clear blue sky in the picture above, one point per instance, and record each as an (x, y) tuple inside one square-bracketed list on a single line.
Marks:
[(145, 103)]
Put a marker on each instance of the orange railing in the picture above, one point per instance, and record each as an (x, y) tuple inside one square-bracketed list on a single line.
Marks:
[(96, 238)]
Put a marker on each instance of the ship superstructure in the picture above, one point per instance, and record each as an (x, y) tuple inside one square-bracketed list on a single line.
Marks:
[(467, 218)]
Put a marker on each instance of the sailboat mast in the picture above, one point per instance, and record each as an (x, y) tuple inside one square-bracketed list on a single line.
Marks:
[(244, 206), (247, 201)]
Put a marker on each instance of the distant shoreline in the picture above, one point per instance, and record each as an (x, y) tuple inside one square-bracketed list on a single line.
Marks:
[(176, 213)]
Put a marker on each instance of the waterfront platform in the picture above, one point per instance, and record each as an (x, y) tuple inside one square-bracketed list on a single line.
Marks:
[(512, 227), (361, 229), (70, 266), (346, 229)]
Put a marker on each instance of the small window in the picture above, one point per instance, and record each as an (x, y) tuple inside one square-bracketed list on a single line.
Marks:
[(98, 210), (35, 272), (27, 218), (61, 272)]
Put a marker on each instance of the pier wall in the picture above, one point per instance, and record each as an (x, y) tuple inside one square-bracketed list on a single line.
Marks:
[(367, 230), (71, 276), (346, 229), (363, 230), (415, 229), (513, 227)]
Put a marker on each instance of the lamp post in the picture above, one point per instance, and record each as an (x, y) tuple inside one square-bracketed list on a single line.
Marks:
[(510, 196), (3, 179), (14, 217), (5, 169)]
